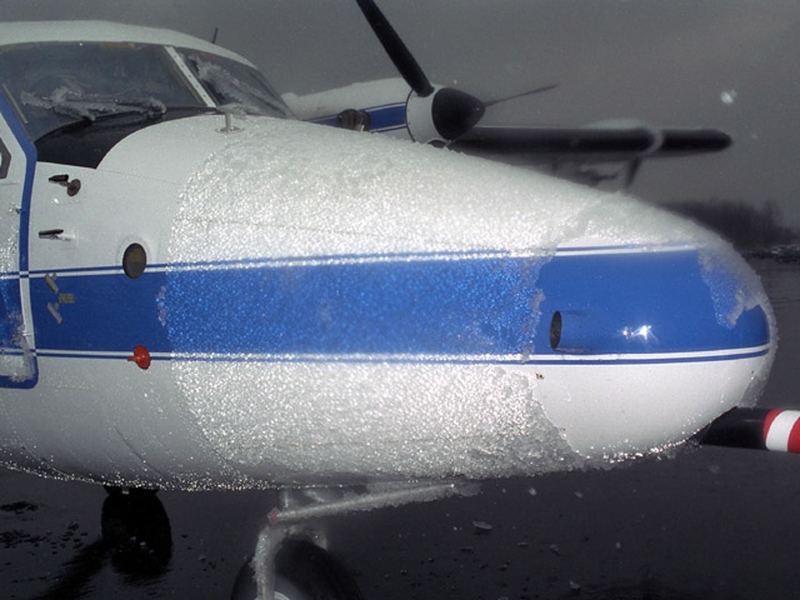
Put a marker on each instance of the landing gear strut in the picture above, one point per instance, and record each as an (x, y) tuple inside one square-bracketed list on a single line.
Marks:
[(289, 564)]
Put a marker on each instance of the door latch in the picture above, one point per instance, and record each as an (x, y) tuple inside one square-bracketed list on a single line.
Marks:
[(56, 234), (73, 185)]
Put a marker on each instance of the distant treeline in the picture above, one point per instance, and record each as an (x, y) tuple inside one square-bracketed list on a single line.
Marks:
[(748, 227)]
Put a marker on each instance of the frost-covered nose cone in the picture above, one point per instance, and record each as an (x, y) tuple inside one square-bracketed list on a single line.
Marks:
[(387, 310)]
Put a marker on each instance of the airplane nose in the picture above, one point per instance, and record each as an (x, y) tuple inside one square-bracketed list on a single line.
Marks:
[(469, 318), (646, 346)]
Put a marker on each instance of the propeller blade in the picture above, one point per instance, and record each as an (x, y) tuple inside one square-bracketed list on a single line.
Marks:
[(396, 49), (520, 95), (453, 113)]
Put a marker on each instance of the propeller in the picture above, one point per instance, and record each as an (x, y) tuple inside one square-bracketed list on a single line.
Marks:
[(545, 88), (447, 116), (434, 113)]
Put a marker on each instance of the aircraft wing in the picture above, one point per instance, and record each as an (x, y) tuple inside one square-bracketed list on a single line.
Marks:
[(446, 116), (388, 106), (679, 142), (572, 152)]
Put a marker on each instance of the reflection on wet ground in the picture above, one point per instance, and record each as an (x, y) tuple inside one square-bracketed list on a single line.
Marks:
[(135, 538)]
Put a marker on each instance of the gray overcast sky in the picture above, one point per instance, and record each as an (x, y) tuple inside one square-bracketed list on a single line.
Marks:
[(668, 62)]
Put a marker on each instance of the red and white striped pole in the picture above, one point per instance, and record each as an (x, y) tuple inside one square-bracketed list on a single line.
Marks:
[(760, 428)]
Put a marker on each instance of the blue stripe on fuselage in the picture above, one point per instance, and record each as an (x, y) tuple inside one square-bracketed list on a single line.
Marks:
[(383, 118), (469, 307), (386, 117)]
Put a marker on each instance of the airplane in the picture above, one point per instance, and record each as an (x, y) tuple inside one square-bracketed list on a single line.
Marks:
[(200, 292), (412, 107)]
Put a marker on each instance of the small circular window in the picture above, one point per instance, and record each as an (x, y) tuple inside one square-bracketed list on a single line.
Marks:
[(134, 261)]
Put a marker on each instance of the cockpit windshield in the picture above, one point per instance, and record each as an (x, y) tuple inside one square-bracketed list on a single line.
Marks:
[(231, 82), (54, 84)]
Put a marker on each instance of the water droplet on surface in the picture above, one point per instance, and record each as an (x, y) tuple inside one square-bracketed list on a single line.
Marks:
[(481, 527), (728, 96)]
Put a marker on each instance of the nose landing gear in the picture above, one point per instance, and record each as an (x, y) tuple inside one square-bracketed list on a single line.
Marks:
[(289, 564), (302, 571)]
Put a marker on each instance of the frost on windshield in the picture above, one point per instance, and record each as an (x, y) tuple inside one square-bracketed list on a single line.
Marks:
[(229, 82), (52, 84), (64, 101)]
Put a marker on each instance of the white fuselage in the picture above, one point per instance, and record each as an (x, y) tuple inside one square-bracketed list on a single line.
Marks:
[(327, 307)]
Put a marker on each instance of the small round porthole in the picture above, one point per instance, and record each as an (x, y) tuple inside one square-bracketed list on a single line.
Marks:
[(555, 330), (134, 261)]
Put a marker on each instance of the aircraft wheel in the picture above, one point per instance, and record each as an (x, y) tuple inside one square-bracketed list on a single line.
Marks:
[(136, 532), (303, 571)]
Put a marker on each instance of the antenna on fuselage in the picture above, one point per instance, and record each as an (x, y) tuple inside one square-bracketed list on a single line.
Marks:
[(214, 37)]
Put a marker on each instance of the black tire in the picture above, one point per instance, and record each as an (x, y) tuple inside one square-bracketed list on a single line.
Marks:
[(136, 533)]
